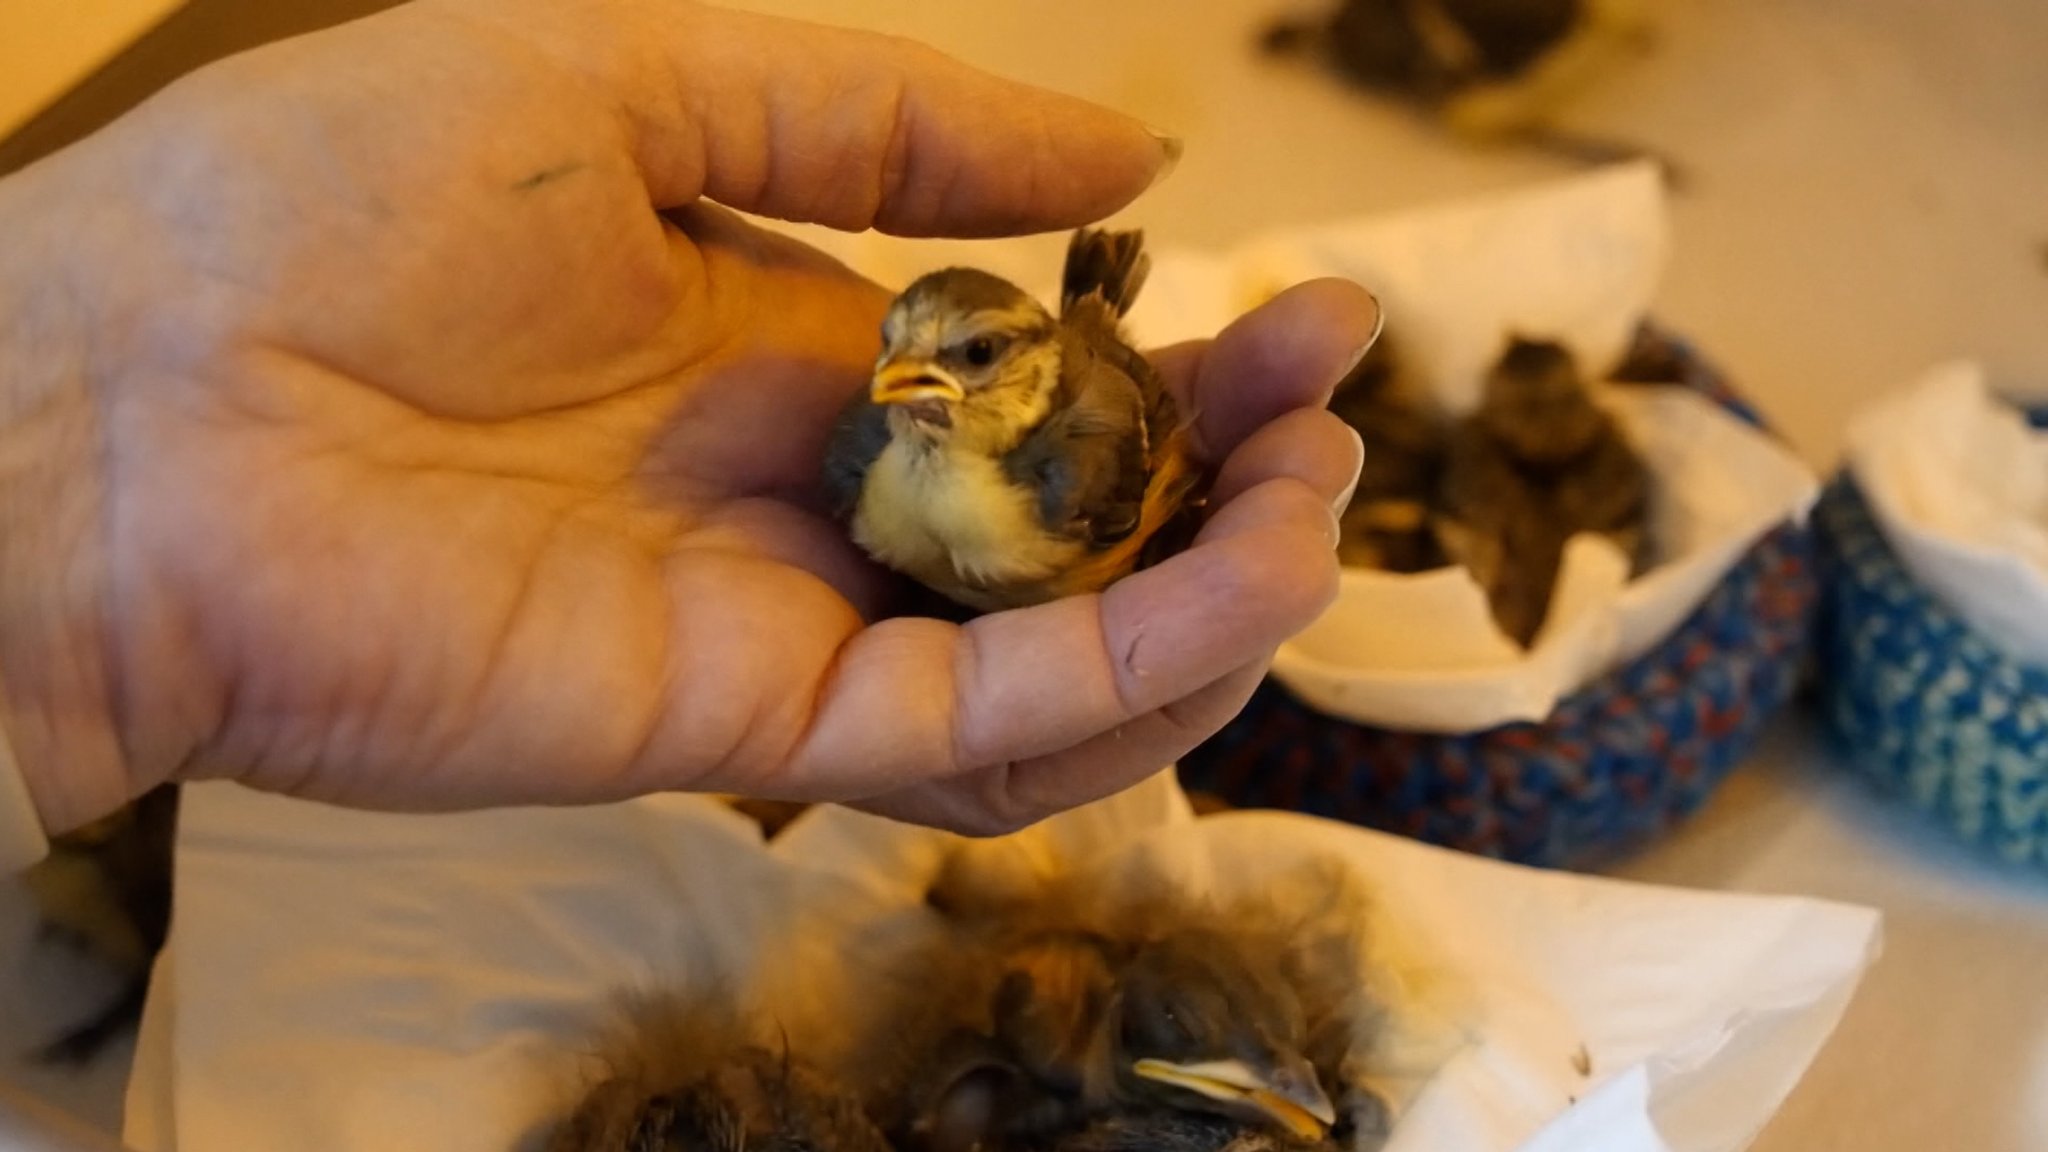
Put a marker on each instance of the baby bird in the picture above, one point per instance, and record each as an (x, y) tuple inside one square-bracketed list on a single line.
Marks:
[(1535, 464), (1066, 1007), (687, 1073), (1488, 70), (772, 815), (1003, 457), (107, 888), (1387, 524)]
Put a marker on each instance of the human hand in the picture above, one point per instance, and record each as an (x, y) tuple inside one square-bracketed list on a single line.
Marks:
[(378, 441)]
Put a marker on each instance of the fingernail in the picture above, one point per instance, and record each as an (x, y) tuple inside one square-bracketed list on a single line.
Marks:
[(1379, 325), (1171, 147), (1343, 500)]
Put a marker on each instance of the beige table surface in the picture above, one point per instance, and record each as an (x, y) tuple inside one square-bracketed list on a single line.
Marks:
[(1869, 195)]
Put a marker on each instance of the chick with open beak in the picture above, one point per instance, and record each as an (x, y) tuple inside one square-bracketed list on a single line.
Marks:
[(1072, 1025), (1003, 456), (1201, 1029), (1123, 995)]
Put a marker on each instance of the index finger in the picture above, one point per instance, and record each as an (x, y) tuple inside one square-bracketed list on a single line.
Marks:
[(840, 127), (1289, 353)]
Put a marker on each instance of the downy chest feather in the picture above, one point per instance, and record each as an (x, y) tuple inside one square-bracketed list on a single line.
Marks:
[(946, 513)]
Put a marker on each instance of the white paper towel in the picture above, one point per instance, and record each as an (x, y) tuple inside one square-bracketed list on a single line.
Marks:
[(1959, 485), (356, 982)]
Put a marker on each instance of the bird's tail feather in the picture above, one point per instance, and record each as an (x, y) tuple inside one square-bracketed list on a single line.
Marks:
[(1113, 265)]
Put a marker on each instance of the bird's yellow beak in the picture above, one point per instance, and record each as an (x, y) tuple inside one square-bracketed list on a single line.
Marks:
[(910, 381), (1303, 1110)]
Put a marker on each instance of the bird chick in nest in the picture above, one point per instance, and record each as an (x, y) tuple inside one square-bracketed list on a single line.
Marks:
[(691, 1073), (1003, 456), (1050, 1006), (1386, 526), (1535, 464)]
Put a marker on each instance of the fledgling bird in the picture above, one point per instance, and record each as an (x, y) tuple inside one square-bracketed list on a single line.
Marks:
[(691, 1073), (1536, 463), (772, 815), (106, 888), (1387, 524), (1490, 71), (1003, 456), (1094, 1006)]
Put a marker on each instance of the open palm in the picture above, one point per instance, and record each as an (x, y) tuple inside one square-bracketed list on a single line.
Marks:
[(457, 449)]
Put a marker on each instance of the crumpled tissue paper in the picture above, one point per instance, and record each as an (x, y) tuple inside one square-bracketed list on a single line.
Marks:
[(342, 981), (1958, 482), (1576, 260)]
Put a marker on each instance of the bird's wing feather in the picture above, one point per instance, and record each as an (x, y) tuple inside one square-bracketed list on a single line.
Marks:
[(858, 437), (1104, 273), (1087, 460), (1111, 266)]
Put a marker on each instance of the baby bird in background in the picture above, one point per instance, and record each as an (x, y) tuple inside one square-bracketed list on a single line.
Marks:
[(1536, 463), (1490, 71), (1387, 524), (772, 815), (689, 1073), (1004, 457)]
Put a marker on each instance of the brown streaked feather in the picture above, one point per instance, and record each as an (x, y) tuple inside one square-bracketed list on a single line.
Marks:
[(1165, 525), (1088, 461), (1104, 272), (1111, 266)]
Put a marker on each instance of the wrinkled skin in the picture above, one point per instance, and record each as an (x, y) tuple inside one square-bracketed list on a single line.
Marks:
[(419, 436)]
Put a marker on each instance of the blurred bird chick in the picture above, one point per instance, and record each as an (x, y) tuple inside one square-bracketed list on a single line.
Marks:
[(691, 1073), (1387, 524), (772, 815), (105, 888), (1003, 457), (1491, 71), (1536, 463), (1067, 1004)]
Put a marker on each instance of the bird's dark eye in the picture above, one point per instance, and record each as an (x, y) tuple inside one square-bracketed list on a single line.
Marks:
[(1156, 1029), (981, 351)]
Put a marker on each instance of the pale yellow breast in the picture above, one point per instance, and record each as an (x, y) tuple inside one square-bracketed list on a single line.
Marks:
[(950, 519)]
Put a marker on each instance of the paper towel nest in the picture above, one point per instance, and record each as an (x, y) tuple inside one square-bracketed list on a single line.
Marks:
[(343, 981), (1958, 483), (1576, 261)]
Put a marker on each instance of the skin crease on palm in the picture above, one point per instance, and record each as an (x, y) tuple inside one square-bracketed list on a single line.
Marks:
[(393, 420)]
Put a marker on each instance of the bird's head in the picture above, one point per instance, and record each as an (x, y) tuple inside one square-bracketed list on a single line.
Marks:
[(965, 352), (1200, 1029), (1536, 404)]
